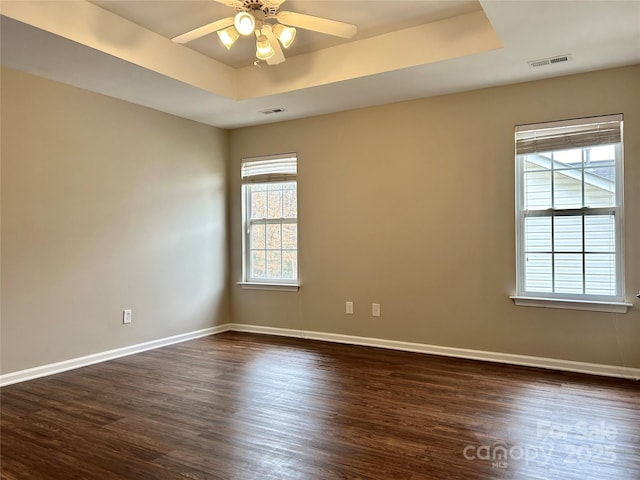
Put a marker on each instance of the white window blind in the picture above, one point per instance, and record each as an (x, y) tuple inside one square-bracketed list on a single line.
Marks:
[(280, 169), (569, 134)]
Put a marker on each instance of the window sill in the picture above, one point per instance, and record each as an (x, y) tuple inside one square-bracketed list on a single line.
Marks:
[(283, 287), (611, 307)]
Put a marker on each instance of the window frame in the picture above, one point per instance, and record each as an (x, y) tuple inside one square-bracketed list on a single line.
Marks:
[(584, 301), (247, 184)]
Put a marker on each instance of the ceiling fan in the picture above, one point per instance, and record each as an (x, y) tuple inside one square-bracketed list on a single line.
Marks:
[(271, 27)]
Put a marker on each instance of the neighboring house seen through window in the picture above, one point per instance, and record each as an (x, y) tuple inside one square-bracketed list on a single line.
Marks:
[(569, 210), (270, 218)]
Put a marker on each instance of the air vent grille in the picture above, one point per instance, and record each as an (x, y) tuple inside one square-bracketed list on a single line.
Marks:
[(549, 61), (273, 110)]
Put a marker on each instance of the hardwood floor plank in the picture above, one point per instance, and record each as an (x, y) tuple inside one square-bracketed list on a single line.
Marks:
[(241, 406)]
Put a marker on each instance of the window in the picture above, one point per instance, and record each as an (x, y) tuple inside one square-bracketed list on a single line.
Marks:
[(569, 212), (270, 217)]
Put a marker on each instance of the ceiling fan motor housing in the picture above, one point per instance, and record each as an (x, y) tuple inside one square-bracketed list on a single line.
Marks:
[(268, 9)]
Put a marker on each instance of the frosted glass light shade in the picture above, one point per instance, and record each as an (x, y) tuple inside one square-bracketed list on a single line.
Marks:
[(264, 50), (244, 23), (228, 36), (286, 35)]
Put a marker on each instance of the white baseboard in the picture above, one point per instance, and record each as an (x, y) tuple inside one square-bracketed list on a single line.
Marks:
[(279, 332), (58, 367), (508, 358)]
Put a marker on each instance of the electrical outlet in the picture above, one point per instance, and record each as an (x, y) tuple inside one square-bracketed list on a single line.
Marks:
[(375, 309), (126, 316), (349, 309)]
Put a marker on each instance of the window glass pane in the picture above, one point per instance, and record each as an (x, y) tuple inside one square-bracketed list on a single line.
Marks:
[(289, 264), (568, 234), (258, 203), (258, 264), (602, 153), (568, 273), (600, 191), (568, 158), (600, 275), (567, 189), (257, 237), (538, 272), (274, 208), (537, 161), (274, 236), (271, 238), (600, 233), (537, 234), (537, 190), (274, 264), (290, 206), (289, 235)]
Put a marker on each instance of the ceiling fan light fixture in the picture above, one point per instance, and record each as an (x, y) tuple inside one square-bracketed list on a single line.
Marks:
[(264, 50), (286, 35), (228, 36), (244, 23)]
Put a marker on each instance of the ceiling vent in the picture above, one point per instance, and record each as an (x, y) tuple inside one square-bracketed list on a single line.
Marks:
[(273, 110), (550, 61)]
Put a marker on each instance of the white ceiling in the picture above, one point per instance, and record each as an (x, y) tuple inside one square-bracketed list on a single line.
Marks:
[(403, 50)]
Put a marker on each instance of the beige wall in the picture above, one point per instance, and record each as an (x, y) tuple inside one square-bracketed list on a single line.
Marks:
[(411, 206), (105, 206)]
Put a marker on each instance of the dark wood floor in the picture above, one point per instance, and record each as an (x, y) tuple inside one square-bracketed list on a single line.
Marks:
[(241, 407)]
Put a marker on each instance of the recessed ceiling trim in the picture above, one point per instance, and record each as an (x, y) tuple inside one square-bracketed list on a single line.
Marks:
[(446, 39), (94, 27), (105, 31)]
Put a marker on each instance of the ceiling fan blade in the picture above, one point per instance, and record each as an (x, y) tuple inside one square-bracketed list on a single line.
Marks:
[(204, 30), (278, 57), (317, 24)]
